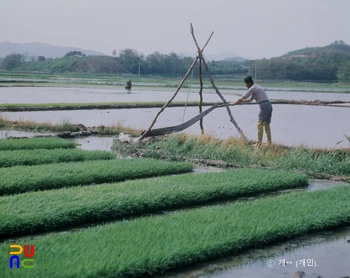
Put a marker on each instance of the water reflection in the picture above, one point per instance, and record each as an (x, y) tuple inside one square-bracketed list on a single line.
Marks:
[(326, 254), (95, 143), (292, 125)]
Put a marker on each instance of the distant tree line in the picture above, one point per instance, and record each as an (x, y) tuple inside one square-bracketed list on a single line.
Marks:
[(173, 64), (330, 63), (128, 61)]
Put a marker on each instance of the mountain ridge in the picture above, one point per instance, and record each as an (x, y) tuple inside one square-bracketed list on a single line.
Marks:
[(40, 49)]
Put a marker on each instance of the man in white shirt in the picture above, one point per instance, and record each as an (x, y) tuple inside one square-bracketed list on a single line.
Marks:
[(255, 92)]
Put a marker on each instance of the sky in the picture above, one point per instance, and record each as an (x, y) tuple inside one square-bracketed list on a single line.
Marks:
[(253, 29)]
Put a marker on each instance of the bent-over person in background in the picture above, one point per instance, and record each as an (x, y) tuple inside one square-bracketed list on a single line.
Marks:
[(128, 85)]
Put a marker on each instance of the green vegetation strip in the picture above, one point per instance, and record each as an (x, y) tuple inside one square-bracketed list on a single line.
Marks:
[(233, 151), (35, 143), (19, 179), (49, 210), (42, 156), (106, 105), (151, 245), (125, 105)]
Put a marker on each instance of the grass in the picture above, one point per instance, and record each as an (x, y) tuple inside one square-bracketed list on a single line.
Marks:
[(151, 245), (44, 156), (334, 162), (14, 107), (102, 105), (20, 179), (35, 143), (178, 147), (20, 124), (65, 125), (88, 204)]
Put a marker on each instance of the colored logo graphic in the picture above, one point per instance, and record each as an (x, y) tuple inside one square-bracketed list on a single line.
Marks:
[(16, 261)]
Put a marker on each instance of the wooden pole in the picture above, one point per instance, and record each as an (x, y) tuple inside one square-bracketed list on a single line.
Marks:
[(200, 95), (195, 41), (232, 120), (200, 54), (171, 99)]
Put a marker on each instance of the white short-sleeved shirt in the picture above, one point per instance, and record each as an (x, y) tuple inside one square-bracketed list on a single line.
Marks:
[(256, 92)]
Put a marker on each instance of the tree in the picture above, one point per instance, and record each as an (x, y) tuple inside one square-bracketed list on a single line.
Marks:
[(154, 63), (343, 73), (130, 59), (74, 54), (114, 53), (41, 58), (12, 61)]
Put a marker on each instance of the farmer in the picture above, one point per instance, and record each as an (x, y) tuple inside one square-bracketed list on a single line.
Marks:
[(128, 85), (265, 114)]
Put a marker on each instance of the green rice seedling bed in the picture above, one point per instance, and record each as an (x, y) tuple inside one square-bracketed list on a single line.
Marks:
[(20, 179), (150, 245), (49, 210), (36, 143), (43, 156)]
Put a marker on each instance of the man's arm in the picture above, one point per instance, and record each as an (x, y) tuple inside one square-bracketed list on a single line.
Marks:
[(238, 101)]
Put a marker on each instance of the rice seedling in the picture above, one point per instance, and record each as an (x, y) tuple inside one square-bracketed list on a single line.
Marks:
[(81, 205), (44, 156), (151, 245), (19, 179), (35, 143)]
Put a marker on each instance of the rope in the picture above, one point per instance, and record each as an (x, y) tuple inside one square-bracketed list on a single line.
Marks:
[(188, 93)]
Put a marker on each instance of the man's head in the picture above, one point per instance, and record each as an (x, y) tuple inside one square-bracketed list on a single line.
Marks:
[(248, 81)]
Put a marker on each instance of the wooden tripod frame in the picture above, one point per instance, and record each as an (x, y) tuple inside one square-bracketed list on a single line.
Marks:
[(150, 132)]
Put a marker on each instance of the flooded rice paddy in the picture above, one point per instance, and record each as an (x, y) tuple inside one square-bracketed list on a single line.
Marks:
[(311, 126), (292, 125), (69, 95)]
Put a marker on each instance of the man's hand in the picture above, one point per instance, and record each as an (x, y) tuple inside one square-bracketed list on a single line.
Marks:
[(238, 101)]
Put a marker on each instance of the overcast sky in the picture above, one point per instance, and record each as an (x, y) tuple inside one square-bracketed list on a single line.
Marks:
[(253, 29)]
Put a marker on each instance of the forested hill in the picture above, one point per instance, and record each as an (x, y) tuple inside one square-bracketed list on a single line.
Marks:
[(336, 47), (329, 63)]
